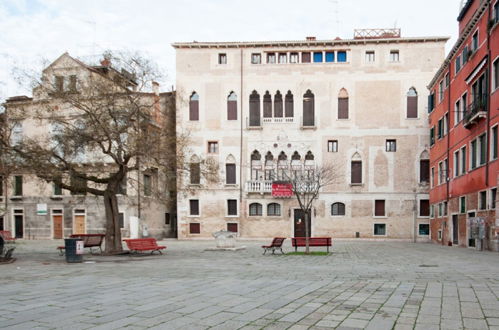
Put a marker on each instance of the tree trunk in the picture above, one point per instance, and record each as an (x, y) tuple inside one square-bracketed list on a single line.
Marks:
[(307, 234), (113, 230)]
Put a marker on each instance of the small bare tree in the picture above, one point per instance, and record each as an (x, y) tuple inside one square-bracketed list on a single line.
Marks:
[(306, 185), (100, 124)]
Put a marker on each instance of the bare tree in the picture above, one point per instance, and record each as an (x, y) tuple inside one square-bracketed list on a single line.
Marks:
[(104, 123), (306, 184)]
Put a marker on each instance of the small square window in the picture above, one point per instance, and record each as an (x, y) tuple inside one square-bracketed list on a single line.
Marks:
[(232, 227), (194, 228), (394, 56), (424, 229), (212, 147), (222, 58), (270, 58), (341, 56), (318, 57), (332, 146), (391, 145), (370, 56), (305, 57), (329, 57), (256, 58), (379, 229)]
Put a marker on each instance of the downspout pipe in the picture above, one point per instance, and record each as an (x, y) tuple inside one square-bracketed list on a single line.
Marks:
[(489, 84)]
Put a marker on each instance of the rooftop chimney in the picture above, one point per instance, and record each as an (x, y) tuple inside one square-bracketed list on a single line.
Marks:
[(310, 38), (105, 62)]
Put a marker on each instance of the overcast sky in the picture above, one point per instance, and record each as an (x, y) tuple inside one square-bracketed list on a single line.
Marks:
[(32, 30)]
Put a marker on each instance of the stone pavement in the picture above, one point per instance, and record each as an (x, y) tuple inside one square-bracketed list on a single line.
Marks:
[(373, 285)]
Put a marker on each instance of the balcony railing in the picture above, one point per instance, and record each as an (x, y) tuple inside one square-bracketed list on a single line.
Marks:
[(259, 186), (279, 120), (476, 111)]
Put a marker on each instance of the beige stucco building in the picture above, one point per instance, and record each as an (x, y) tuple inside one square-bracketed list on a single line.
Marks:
[(255, 109), (34, 209)]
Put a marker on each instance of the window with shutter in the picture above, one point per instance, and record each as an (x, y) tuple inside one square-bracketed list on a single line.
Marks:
[(379, 208), (424, 170), (194, 228), (278, 113), (424, 208), (305, 57), (230, 173), (288, 105), (308, 109), (193, 207), (231, 207), (356, 172), (232, 227), (232, 106), (267, 105), (194, 107), (412, 103), (254, 109), (338, 209)]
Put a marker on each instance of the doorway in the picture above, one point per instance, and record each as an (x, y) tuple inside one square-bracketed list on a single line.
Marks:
[(471, 241), (79, 222), (455, 230), (57, 224), (19, 223), (299, 223)]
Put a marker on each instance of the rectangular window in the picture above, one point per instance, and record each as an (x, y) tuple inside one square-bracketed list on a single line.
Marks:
[(305, 57), (212, 147), (495, 74), (342, 56), (283, 58), (457, 112), (329, 56), (293, 58), (194, 228), (441, 173), (482, 145), (147, 185), (424, 170), (458, 63), (441, 91), (496, 13), (193, 206), (379, 229), (447, 80), (370, 56), (493, 195), (462, 204), (432, 136), (456, 163), (222, 58), (332, 146), (230, 173), (424, 208), (232, 227), (256, 58), (379, 208), (231, 207), (356, 172), (1, 186), (57, 189), (394, 56), (463, 161), (167, 218), (441, 128), (474, 42), (121, 220), (318, 57), (59, 83), (424, 229), (432, 179), (493, 147), (482, 200), (18, 185), (431, 102), (391, 145), (195, 173), (432, 211), (270, 58), (473, 153), (72, 83), (445, 208)]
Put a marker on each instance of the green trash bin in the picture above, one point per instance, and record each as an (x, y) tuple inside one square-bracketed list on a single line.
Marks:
[(74, 250)]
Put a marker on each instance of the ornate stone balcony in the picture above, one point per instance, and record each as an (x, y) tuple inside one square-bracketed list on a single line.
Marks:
[(259, 186)]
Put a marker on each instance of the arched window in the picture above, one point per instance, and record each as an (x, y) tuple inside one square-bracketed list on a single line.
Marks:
[(195, 170), (232, 106), (308, 109), (282, 166), (288, 105), (412, 103), (194, 106), (309, 164), (230, 170), (255, 209), (256, 165), (309, 155), (273, 209), (278, 105), (424, 167), (356, 169), (295, 162), (343, 104), (338, 209), (267, 105), (254, 109), (269, 166)]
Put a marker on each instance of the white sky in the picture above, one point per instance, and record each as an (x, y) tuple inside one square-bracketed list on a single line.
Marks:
[(33, 30)]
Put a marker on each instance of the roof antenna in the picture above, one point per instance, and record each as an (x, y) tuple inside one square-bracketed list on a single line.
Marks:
[(336, 13)]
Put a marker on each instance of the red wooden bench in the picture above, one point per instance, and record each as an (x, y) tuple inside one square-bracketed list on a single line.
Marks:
[(143, 244), (89, 241), (312, 241), (276, 244), (7, 236)]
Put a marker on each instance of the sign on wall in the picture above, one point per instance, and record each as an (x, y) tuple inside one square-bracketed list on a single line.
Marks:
[(41, 209), (282, 190)]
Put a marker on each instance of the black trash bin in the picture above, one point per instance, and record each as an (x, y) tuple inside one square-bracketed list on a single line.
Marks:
[(73, 253)]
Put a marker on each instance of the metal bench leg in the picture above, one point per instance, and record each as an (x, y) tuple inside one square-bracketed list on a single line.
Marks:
[(264, 251), (281, 250)]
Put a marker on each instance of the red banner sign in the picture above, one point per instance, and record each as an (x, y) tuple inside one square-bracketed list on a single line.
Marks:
[(282, 190)]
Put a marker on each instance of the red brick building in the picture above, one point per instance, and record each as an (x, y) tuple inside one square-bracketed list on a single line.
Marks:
[(464, 118)]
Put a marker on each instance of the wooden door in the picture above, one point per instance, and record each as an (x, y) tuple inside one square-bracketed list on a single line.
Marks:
[(57, 221), (79, 224), (299, 223), (455, 230)]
